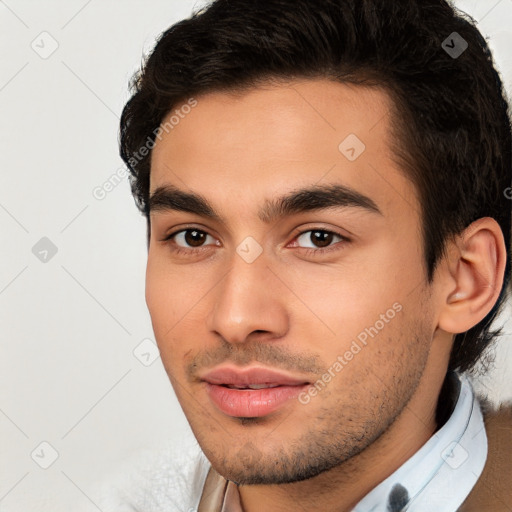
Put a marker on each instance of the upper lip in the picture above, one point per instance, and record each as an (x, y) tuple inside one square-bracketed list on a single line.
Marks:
[(236, 376)]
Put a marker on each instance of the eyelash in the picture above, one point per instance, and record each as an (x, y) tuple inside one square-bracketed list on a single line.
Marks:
[(308, 251)]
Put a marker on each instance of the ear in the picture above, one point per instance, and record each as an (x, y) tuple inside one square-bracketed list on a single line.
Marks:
[(474, 275)]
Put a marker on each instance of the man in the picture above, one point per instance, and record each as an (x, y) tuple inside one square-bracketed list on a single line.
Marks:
[(325, 183)]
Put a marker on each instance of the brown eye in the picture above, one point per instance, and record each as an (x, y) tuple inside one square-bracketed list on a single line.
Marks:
[(189, 238), (319, 238), (194, 237)]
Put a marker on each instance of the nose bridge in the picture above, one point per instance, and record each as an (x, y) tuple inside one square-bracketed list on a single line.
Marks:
[(247, 300)]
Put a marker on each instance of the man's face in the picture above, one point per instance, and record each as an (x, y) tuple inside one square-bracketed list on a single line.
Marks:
[(325, 309)]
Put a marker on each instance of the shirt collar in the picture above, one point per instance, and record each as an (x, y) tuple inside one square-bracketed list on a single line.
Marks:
[(439, 476)]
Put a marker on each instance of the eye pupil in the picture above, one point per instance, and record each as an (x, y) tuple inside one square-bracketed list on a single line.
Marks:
[(323, 238), (196, 239)]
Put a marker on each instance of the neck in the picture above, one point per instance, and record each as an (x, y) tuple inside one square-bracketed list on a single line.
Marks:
[(341, 488)]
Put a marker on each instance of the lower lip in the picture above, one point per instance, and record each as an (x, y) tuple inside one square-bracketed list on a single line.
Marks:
[(251, 403)]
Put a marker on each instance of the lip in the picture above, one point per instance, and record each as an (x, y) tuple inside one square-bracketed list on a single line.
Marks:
[(251, 403), (236, 376)]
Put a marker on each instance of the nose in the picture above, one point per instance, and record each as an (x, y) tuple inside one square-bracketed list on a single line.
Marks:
[(248, 302)]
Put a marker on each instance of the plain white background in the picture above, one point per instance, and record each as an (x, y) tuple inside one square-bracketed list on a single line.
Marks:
[(73, 323)]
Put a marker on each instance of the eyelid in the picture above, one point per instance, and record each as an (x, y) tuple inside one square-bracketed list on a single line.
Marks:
[(179, 230), (322, 251), (315, 227)]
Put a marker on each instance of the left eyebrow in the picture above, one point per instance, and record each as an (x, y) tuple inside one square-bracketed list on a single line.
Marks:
[(316, 197)]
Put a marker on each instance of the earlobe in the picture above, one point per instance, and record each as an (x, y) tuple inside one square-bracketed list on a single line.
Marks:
[(477, 266)]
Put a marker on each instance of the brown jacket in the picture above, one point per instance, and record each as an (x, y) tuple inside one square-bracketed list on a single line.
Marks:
[(493, 490)]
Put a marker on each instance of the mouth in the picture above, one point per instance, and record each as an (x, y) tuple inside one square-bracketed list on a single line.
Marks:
[(251, 386), (251, 392)]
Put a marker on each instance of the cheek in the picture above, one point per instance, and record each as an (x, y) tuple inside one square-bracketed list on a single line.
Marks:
[(172, 299), (363, 317), (157, 299), (168, 291), (162, 307), (346, 301)]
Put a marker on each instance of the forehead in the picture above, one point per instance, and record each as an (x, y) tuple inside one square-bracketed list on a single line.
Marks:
[(250, 146)]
